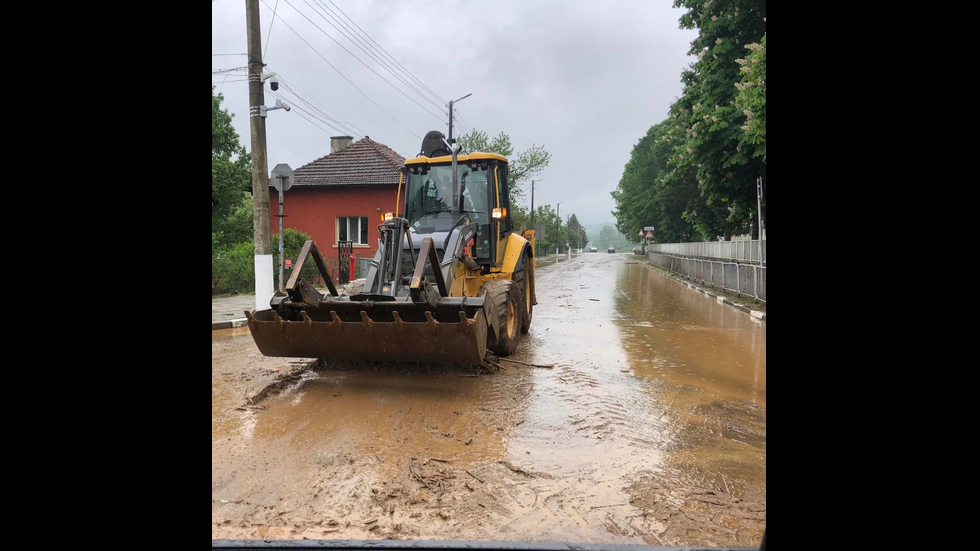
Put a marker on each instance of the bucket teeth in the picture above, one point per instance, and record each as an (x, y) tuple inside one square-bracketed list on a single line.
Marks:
[(433, 324), (368, 322), (465, 324), (398, 322)]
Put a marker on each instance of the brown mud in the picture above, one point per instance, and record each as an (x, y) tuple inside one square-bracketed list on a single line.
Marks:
[(650, 429)]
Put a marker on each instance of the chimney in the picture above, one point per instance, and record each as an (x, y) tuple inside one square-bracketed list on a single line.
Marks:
[(340, 143)]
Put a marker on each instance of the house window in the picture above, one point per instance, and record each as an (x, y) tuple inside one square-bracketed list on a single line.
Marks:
[(353, 228)]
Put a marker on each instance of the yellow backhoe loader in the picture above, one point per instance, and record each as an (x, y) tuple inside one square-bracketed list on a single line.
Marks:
[(452, 278)]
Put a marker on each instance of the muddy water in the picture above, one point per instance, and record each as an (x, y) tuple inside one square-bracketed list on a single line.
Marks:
[(657, 399)]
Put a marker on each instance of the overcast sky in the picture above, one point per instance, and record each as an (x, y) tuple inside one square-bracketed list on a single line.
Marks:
[(584, 79)]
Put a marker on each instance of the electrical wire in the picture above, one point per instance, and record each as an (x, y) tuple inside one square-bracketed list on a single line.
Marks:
[(272, 24), (223, 71), (325, 33), (392, 117), (358, 41), (389, 56), (333, 123), (301, 110)]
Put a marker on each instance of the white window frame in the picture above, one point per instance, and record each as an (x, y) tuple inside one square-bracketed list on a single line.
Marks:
[(361, 220)]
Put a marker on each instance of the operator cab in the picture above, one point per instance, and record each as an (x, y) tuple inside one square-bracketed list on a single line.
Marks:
[(482, 202)]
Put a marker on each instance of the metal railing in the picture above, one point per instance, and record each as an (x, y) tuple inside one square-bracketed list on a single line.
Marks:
[(745, 279), (741, 251)]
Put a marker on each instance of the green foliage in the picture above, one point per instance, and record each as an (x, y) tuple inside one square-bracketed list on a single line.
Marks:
[(521, 217), (694, 175), (708, 132), (236, 227), (752, 99), (555, 232), (651, 195), (480, 141), (214, 256), (577, 236), (609, 237), (293, 242), (524, 167), (231, 172), (235, 270)]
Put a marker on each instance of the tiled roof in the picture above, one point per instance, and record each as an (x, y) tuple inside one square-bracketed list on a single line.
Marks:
[(366, 162)]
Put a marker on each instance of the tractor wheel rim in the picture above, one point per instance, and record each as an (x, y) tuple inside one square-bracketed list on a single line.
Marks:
[(527, 295), (511, 319)]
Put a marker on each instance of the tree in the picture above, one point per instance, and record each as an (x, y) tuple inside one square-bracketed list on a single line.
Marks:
[(524, 167), (752, 99), (708, 119), (231, 172), (607, 238), (651, 195), (577, 236), (555, 233)]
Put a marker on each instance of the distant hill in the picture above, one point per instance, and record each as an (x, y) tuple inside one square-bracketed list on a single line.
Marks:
[(613, 238)]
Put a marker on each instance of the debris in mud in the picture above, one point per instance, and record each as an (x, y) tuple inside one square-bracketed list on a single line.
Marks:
[(432, 481), (525, 364), (516, 470)]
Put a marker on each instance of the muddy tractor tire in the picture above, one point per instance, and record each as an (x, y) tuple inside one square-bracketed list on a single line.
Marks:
[(525, 284), (505, 314)]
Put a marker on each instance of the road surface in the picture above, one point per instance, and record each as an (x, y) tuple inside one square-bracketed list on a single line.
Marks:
[(651, 429)]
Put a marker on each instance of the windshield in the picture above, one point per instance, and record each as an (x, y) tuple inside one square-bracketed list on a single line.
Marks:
[(430, 198)]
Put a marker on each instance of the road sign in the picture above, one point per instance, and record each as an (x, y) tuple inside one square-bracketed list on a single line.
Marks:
[(649, 229), (282, 176), (289, 263), (641, 233), (649, 235)]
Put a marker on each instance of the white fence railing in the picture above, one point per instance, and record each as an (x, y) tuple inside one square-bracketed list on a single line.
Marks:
[(744, 279), (743, 251)]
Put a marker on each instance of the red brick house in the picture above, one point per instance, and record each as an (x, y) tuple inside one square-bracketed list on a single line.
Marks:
[(343, 196)]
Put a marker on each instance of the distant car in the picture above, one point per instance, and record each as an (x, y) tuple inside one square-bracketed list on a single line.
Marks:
[(595, 249), (612, 250)]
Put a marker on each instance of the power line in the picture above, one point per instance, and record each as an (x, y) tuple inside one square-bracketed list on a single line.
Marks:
[(318, 112), (288, 26), (272, 24), (357, 41), (385, 52), (223, 71), (361, 44), (320, 128), (301, 110), (325, 33)]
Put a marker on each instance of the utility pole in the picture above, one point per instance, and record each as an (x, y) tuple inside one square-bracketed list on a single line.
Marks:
[(532, 204), (558, 241), (762, 250), (260, 164), (455, 151)]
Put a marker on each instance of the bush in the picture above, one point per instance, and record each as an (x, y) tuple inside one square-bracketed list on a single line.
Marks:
[(233, 267), (235, 271)]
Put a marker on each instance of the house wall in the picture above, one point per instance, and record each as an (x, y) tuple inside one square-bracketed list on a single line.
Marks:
[(315, 211)]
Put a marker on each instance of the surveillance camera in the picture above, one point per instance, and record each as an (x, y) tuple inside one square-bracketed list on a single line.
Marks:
[(273, 80), (286, 107)]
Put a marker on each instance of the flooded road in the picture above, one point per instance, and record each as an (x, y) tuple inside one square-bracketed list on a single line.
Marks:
[(650, 429)]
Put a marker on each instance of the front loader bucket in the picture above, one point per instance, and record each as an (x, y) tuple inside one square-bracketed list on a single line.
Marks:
[(453, 338)]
